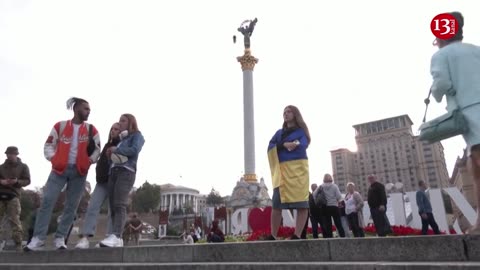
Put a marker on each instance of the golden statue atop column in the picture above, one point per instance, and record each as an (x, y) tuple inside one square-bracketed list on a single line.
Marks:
[(247, 61)]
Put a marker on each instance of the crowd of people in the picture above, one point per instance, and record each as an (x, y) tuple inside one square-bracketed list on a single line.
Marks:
[(74, 145), (453, 69)]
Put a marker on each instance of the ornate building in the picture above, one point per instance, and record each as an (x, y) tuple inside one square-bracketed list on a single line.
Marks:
[(462, 179), (388, 149), (179, 198)]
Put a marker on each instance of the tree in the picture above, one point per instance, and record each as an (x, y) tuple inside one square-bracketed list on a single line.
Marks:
[(29, 201), (214, 198), (146, 199)]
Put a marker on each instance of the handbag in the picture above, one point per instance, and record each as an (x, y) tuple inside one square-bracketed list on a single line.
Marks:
[(7, 195), (449, 125), (319, 197)]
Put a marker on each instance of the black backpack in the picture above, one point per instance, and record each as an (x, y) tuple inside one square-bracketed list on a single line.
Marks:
[(319, 197), (91, 142)]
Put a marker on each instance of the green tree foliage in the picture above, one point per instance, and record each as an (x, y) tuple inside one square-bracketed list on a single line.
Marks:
[(146, 198), (29, 201), (214, 198)]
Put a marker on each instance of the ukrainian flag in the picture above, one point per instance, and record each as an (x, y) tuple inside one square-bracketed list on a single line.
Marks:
[(289, 169)]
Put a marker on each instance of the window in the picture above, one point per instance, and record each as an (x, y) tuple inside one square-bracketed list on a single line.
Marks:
[(390, 123), (397, 123), (384, 125)]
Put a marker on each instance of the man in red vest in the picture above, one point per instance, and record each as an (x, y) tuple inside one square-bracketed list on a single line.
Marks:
[(71, 148)]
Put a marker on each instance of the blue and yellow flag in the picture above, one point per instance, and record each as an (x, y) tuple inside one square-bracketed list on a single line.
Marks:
[(289, 169)]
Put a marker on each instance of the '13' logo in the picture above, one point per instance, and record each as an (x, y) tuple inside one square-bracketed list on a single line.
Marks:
[(444, 26)]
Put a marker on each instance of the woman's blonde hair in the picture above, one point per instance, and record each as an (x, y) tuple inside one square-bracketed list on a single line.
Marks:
[(351, 184)]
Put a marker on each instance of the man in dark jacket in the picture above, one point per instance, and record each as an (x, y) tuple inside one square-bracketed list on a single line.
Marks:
[(13, 176), (216, 234), (315, 213), (377, 201)]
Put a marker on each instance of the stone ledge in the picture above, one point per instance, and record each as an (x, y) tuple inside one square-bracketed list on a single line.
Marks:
[(251, 266), (414, 249), (472, 247)]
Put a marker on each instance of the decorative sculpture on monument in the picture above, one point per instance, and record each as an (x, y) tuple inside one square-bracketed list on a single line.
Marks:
[(246, 28)]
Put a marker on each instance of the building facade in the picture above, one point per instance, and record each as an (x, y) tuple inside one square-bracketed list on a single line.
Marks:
[(179, 199), (388, 149), (463, 180)]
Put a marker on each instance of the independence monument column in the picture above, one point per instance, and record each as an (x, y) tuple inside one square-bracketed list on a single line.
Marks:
[(248, 62)]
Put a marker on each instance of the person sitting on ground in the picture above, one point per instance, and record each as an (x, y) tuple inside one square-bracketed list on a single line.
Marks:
[(187, 238), (216, 234)]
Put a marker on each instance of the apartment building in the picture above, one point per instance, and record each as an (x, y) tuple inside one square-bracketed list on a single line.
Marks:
[(389, 149)]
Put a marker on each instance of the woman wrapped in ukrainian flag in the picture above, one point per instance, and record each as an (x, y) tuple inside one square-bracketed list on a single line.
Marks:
[(287, 155)]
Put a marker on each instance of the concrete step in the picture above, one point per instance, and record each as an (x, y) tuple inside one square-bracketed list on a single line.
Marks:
[(416, 248), (399, 253), (249, 266)]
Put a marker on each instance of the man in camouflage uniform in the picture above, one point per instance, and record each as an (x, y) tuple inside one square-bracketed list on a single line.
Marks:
[(13, 176)]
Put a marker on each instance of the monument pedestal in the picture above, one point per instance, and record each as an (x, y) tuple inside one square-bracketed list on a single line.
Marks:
[(249, 194)]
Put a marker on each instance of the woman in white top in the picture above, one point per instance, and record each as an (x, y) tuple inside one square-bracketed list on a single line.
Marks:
[(353, 209)]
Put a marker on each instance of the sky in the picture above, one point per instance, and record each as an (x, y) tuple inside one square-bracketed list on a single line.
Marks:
[(173, 65)]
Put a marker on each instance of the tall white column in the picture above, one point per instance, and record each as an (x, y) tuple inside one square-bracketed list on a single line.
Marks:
[(195, 204), (248, 123), (170, 207), (248, 63)]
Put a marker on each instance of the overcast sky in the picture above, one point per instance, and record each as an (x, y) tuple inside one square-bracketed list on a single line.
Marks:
[(173, 65)]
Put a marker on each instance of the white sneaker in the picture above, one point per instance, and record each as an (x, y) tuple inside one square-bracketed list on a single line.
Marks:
[(59, 243), (111, 241), (83, 243), (97, 245), (35, 244)]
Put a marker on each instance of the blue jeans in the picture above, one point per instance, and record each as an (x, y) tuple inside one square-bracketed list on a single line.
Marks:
[(120, 184), (99, 196), (345, 225), (74, 191)]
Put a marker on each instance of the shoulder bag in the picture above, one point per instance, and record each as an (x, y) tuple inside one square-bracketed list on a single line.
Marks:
[(449, 125)]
